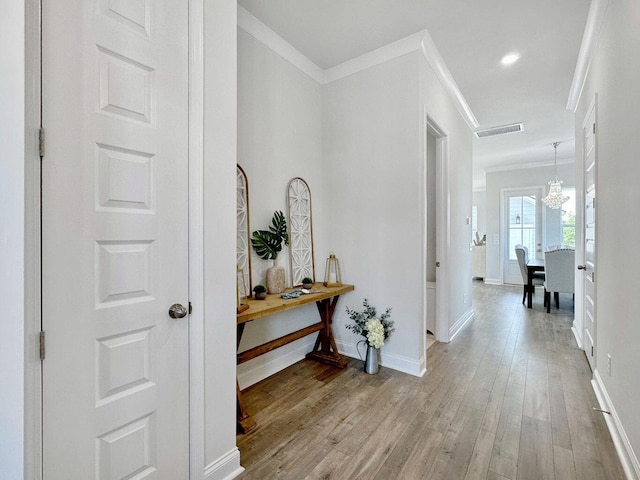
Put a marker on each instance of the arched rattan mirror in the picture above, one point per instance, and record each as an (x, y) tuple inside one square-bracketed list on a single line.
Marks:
[(300, 231), (243, 253)]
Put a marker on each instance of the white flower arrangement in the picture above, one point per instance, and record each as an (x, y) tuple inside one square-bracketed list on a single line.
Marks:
[(375, 332), (367, 323)]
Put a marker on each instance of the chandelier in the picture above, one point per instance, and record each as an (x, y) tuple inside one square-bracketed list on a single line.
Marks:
[(555, 198)]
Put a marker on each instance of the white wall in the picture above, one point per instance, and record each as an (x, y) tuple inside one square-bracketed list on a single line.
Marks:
[(479, 199), (615, 79), (523, 177), (221, 455), (12, 238), (279, 138), (439, 107), (373, 166)]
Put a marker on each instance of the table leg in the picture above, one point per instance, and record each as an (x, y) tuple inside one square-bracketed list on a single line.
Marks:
[(244, 422), (325, 349), (529, 288)]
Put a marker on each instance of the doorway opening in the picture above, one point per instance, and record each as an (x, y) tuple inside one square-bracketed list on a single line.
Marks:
[(436, 233)]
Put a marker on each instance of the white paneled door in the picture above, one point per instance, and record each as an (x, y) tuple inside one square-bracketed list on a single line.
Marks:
[(589, 265), (115, 198)]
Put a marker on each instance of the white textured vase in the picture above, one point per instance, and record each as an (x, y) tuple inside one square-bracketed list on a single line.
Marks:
[(276, 281)]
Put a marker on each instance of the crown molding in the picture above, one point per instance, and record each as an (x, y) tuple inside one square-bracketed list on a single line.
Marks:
[(275, 42), (375, 57), (522, 166), (431, 53), (592, 30), (421, 41)]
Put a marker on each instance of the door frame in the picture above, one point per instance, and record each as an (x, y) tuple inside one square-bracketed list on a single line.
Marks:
[(33, 242), (504, 237), (443, 228), (579, 324)]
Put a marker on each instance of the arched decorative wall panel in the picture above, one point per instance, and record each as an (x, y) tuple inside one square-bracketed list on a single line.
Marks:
[(300, 231), (243, 256)]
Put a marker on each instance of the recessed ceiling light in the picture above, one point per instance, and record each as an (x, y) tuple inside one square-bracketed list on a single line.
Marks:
[(510, 58)]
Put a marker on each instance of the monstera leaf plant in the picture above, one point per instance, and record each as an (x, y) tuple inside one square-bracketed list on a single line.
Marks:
[(268, 243)]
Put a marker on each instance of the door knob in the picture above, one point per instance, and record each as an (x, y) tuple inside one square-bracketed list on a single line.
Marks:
[(177, 311), (582, 267)]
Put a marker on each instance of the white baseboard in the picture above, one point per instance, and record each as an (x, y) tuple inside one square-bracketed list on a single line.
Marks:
[(260, 368), (620, 439), (400, 363), (576, 334), (227, 467), (493, 281), (460, 323)]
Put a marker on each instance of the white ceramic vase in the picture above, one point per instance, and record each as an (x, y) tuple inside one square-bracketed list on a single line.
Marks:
[(276, 281)]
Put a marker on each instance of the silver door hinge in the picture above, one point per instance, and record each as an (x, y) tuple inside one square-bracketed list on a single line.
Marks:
[(41, 142), (594, 128), (42, 347), (190, 308)]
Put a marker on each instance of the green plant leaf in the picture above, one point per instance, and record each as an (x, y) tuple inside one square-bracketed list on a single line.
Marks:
[(268, 243)]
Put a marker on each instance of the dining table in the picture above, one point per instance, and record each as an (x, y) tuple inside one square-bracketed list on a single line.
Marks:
[(534, 265)]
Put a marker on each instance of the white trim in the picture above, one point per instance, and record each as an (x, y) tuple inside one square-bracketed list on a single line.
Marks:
[(593, 28), (33, 272), (576, 334), (389, 360), (264, 369), (460, 323), (441, 70), (196, 241), (375, 57), (493, 281), (227, 467), (520, 166), (275, 42), (627, 456)]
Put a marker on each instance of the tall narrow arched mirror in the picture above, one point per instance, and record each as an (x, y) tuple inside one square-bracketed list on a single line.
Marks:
[(300, 231), (243, 254)]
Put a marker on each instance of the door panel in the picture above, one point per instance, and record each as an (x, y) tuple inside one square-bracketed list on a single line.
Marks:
[(522, 225), (589, 276), (115, 378)]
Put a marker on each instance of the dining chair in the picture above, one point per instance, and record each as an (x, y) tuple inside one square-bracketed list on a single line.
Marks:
[(559, 267), (522, 254)]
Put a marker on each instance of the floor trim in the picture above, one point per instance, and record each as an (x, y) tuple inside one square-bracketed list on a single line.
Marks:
[(460, 323), (620, 439), (227, 467)]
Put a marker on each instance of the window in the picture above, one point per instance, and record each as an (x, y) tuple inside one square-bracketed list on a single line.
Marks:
[(522, 223), (474, 221), (569, 218)]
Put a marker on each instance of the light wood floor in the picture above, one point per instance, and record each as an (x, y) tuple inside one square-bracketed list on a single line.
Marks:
[(508, 398)]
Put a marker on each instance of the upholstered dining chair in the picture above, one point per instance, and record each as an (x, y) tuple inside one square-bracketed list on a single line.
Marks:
[(560, 277), (522, 254)]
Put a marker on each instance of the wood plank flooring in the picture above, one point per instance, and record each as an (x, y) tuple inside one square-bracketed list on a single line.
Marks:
[(508, 398)]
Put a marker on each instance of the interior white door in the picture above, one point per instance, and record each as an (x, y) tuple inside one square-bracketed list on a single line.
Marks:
[(589, 266), (522, 224), (115, 239)]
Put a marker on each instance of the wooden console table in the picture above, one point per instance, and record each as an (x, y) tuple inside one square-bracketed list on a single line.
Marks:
[(325, 350)]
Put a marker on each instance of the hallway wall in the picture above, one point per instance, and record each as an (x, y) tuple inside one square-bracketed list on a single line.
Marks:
[(614, 75)]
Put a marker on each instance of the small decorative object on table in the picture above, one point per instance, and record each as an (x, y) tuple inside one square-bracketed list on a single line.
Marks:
[(307, 283), (375, 330), (267, 244), (260, 292), (332, 277)]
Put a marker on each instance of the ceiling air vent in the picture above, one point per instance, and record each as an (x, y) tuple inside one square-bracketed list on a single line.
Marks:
[(490, 132)]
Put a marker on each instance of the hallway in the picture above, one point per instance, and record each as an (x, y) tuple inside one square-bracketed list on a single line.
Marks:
[(508, 398)]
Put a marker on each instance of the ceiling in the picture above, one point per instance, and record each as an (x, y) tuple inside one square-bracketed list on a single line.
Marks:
[(472, 36)]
